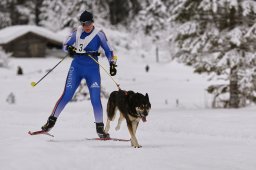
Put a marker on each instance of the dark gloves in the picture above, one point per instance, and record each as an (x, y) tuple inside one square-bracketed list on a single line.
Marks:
[(112, 68), (71, 51)]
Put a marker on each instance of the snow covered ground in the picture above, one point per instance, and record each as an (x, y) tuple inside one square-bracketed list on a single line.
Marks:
[(182, 132)]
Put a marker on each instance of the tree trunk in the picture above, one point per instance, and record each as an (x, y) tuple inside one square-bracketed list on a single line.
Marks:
[(234, 91), (38, 4)]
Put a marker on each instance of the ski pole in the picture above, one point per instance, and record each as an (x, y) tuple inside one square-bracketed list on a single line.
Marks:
[(118, 85), (33, 84)]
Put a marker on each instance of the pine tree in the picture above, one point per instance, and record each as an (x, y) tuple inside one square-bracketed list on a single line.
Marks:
[(152, 18), (17, 12), (54, 14), (57, 14), (122, 12), (218, 37)]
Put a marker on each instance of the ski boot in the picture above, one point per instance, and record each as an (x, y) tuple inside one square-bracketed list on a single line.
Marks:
[(100, 131), (49, 124)]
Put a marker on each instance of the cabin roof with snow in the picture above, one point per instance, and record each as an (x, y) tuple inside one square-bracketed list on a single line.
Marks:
[(11, 33), (29, 40)]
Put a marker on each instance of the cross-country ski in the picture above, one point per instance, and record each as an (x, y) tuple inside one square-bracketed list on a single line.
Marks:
[(40, 132)]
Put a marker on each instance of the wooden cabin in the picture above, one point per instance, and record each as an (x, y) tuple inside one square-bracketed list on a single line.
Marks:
[(29, 41)]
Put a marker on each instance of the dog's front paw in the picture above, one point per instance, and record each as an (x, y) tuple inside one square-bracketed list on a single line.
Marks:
[(138, 146), (135, 145)]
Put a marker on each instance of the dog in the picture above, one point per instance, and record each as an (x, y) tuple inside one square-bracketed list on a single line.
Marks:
[(133, 107)]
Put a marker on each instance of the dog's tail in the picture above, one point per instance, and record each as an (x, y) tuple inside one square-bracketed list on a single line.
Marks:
[(111, 106), (111, 109)]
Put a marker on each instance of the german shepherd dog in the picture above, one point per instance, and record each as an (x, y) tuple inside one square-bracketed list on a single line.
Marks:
[(132, 106)]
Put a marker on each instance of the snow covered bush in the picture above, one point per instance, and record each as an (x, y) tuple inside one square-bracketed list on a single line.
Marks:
[(218, 38), (4, 58), (5, 20)]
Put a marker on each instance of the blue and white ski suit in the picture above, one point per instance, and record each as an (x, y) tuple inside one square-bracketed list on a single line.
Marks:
[(83, 67)]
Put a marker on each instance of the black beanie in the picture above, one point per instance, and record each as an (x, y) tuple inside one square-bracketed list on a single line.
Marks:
[(86, 16)]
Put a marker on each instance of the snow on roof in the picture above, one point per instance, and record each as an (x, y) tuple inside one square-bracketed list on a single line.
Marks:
[(9, 34)]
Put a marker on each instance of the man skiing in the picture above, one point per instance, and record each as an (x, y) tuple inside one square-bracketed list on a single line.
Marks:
[(83, 44)]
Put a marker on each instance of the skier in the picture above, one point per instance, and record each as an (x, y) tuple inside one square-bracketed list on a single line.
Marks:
[(81, 45)]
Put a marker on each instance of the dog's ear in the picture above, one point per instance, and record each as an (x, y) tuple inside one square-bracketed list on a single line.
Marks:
[(147, 96)]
